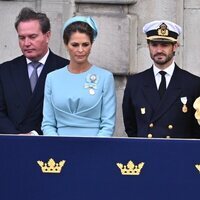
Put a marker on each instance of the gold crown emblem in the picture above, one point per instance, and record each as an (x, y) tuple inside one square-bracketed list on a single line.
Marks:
[(198, 167), (51, 166), (130, 168), (163, 31)]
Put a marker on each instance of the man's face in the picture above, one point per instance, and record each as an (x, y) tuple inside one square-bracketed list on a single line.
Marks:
[(33, 43), (162, 53)]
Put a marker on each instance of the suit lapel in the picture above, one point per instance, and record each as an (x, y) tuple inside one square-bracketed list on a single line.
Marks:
[(37, 96), (150, 90), (19, 74), (172, 93)]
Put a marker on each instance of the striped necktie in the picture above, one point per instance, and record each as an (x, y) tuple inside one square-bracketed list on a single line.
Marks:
[(34, 75)]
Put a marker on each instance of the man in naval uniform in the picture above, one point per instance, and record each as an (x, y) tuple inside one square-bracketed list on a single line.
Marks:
[(158, 102)]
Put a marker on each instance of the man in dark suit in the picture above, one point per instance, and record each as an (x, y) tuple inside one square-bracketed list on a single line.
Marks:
[(22, 79), (158, 102)]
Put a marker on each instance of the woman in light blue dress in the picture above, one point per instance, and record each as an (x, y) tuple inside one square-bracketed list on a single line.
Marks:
[(80, 98)]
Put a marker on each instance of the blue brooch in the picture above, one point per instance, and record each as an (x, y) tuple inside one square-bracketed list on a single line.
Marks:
[(91, 83)]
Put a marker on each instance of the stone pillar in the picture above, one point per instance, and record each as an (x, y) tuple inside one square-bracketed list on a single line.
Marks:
[(8, 39), (191, 58), (57, 11)]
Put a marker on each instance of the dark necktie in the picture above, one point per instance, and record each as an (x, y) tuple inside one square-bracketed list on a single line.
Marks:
[(162, 86), (34, 75)]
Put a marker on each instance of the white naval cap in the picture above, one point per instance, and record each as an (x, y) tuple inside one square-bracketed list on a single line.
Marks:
[(162, 30)]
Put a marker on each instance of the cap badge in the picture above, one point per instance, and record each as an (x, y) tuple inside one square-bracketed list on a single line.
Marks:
[(163, 31)]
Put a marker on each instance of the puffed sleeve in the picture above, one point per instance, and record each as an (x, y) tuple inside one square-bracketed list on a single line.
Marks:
[(49, 122), (107, 124)]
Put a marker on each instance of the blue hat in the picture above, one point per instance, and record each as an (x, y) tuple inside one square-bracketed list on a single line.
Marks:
[(162, 30), (89, 20)]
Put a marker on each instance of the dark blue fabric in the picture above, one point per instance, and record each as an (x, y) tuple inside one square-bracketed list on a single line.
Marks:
[(141, 93), (20, 109), (90, 171)]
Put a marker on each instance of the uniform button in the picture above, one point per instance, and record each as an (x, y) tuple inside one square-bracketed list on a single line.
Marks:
[(151, 125), (170, 126), (149, 135), (168, 136)]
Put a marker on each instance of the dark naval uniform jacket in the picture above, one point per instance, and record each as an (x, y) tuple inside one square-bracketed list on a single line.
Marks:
[(146, 115), (20, 109)]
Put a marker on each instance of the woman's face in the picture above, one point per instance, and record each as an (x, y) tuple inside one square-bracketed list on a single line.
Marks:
[(79, 47)]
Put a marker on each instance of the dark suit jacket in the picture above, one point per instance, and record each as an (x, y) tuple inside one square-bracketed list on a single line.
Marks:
[(20, 109), (144, 113)]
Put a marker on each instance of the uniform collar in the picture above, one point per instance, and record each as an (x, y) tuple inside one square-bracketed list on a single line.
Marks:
[(169, 70)]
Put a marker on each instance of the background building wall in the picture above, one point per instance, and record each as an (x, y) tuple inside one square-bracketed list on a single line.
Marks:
[(120, 46)]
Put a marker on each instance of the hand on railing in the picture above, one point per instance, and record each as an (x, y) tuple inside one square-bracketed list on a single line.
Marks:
[(32, 133)]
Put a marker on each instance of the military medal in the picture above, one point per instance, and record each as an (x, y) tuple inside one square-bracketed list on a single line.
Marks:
[(184, 102), (142, 111), (184, 108)]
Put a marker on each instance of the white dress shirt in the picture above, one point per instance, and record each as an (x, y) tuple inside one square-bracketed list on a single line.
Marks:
[(169, 72), (39, 69)]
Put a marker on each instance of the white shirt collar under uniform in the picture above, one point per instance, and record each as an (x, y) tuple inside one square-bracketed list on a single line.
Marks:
[(169, 72)]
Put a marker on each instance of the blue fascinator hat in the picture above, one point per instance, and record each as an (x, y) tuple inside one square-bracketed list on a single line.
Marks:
[(89, 20)]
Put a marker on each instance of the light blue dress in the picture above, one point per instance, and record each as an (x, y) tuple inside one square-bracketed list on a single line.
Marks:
[(79, 104)]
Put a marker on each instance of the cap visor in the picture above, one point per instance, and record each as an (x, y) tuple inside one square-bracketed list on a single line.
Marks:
[(161, 39)]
